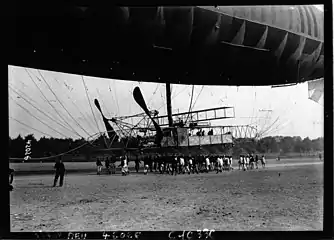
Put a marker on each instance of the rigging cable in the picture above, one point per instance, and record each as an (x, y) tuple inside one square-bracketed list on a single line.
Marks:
[(103, 104), (112, 95), (83, 81), (62, 104), (36, 117), (197, 97), (21, 93), (39, 110), (30, 127), (191, 100), (185, 87), (115, 90), (154, 92), (75, 132), (76, 106), (271, 127)]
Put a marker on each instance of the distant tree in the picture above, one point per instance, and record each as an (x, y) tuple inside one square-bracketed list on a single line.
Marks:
[(287, 144), (307, 144), (17, 148), (298, 145), (318, 144)]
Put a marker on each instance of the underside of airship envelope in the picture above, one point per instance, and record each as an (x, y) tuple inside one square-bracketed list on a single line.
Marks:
[(251, 45)]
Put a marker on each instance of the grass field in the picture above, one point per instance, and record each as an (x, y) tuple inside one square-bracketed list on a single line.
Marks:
[(91, 166), (277, 198)]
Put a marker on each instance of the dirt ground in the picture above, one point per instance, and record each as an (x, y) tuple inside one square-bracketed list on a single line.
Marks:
[(280, 197)]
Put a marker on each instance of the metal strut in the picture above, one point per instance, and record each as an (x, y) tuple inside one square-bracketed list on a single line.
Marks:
[(169, 105)]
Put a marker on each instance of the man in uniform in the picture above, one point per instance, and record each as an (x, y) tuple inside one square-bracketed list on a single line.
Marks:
[(107, 163), (257, 161), (98, 165), (146, 164), (113, 164), (60, 172), (137, 162), (263, 161)]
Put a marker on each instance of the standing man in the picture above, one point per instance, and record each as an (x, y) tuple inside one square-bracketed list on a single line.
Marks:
[(137, 161), (125, 168), (60, 172), (155, 163), (11, 179), (150, 162), (113, 164), (98, 165), (146, 165), (174, 164), (107, 163), (263, 161), (257, 161), (190, 161)]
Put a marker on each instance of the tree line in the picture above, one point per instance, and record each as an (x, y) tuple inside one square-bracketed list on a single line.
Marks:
[(279, 145), (46, 147)]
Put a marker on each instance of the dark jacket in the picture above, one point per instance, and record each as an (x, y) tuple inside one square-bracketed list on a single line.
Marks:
[(98, 162), (60, 167), (107, 162)]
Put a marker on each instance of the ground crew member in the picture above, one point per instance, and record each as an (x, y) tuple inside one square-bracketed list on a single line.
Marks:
[(124, 163), (257, 161), (113, 164), (98, 165), (107, 163), (137, 161), (60, 172), (174, 164)]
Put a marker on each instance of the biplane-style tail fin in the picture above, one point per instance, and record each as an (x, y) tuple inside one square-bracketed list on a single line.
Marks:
[(111, 132), (141, 102)]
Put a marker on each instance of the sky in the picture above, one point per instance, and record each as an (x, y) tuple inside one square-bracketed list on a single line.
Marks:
[(297, 115)]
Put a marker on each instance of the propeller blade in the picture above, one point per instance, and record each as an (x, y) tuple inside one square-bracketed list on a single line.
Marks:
[(110, 129), (137, 95), (97, 104)]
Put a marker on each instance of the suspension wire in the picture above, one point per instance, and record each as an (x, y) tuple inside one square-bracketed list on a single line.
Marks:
[(39, 109), (63, 105), (271, 127), (30, 127), (52, 105), (64, 117), (154, 92), (116, 96), (251, 120), (172, 97), (76, 106), (266, 130), (112, 95), (103, 104), (83, 81), (197, 97), (20, 93), (36, 117), (278, 127), (191, 100)]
